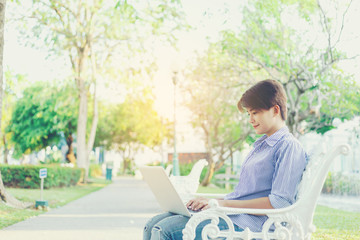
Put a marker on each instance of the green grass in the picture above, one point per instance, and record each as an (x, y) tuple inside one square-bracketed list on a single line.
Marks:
[(330, 223), (336, 224), (202, 189), (56, 197)]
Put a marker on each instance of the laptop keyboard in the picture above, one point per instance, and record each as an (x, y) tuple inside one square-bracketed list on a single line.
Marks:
[(194, 211)]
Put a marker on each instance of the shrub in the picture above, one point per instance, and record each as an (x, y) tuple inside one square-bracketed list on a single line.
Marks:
[(185, 169), (28, 176), (342, 184), (95, 170)]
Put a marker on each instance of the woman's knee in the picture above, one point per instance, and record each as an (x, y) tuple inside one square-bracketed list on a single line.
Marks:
[(152, 222), (169, 228)]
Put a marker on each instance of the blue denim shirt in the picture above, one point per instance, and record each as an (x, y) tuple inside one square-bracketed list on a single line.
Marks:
[(273, 169)]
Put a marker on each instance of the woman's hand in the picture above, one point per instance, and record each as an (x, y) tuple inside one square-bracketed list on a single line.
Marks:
[(198, 204)]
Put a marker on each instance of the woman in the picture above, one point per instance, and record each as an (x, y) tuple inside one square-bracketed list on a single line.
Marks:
[(269, 175)]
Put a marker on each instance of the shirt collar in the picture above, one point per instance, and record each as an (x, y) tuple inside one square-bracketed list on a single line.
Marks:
[(274, 138)]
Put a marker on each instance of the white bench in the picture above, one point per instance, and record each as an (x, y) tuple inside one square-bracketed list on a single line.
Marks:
[(186, 186), (293, 222), (227, 178)]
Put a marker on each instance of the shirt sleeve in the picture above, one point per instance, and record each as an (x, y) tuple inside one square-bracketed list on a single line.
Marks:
[(290, 162)]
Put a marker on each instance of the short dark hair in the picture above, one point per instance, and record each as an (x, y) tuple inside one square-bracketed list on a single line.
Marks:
[(264, 95)]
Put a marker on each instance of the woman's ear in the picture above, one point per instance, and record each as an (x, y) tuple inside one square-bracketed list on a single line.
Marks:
[(277, 109)]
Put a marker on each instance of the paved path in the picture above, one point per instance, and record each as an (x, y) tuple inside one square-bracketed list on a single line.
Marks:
[(346, 203), (118, 211)]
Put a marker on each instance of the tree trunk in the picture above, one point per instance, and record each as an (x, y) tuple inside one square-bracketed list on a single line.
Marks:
[(211, 165), (2, 22), (81, 149), (6, 151), (70, 156), (125, 165), (209, 174), (84, 148), (4, 196), (95, 117), (9, 199)]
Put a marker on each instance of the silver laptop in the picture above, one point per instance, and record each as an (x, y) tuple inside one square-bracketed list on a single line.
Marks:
[(164, 191)]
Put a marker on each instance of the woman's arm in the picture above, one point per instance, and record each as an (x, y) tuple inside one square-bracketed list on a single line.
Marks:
[(260, 203), (202, 203)]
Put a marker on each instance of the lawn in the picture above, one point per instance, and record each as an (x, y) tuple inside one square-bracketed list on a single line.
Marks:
[(330, 223), (56, 197), (336, 224)]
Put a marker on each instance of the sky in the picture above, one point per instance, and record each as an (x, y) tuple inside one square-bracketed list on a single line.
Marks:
[(202, 14), (208, 18)]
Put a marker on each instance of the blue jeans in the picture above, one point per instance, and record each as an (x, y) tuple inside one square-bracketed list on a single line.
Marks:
[(169, 226)]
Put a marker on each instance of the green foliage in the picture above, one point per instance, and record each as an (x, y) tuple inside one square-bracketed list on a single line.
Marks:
[(133, 122), (128, 167), (28, 176), (343, 102), (342, 184), (271, 44), (95, 170), (115, 33), (102, 40), (53, 157), (12, 88), (41, 116), (212, 94), (185, 169)]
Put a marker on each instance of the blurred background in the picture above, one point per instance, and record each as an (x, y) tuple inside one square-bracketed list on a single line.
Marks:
[(118, 84)]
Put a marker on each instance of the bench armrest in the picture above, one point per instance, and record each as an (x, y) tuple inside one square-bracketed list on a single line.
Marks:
[(214, 205), (233, 211)]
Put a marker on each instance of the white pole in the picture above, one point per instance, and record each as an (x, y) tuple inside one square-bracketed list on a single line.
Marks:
[(42, 187)]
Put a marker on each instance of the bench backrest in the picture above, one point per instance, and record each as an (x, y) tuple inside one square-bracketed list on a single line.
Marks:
[(312, 182)]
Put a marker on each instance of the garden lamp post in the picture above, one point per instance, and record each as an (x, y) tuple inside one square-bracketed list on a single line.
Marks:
[(176, 170)]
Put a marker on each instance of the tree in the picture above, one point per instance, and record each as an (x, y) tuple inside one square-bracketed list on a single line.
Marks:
[(297, 44), (12, 89), (342, 102), (41, 116), (91, 33), (4, 195), (213, 94), (267, 45), (131, 125), (2, 21)]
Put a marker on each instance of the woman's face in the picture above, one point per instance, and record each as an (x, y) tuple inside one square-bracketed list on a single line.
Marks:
[(264, 121)]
